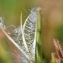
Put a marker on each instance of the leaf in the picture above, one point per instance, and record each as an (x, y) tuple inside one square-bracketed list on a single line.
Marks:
[(39, 38)]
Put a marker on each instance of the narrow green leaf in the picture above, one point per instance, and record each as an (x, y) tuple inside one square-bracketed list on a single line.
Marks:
[(39, 38)]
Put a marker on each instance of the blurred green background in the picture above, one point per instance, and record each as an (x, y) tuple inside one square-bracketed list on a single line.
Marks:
[(10, 10)]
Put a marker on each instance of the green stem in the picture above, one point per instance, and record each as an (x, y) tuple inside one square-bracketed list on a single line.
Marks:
[(38, 52)]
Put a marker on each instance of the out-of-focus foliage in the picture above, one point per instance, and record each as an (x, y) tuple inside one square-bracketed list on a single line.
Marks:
[(5, 55), (59, 33), (10, 10), (57, 58)]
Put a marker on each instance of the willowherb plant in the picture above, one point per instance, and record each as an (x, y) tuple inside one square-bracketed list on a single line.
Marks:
[(57, 58), (24, 36)]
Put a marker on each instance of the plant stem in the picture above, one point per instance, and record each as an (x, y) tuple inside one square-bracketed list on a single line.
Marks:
[(38, 52)]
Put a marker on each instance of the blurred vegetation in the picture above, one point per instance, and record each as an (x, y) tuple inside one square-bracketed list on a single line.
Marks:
[(59, 32), (10, 10), (5, 55)]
